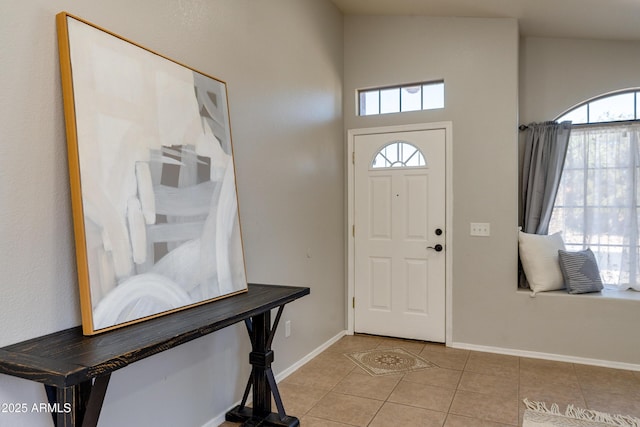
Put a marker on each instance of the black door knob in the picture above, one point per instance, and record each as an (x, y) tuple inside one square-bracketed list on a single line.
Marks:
[(437, 248)]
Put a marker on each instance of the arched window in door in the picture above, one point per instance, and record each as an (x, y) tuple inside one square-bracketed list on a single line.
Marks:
[(398, 154)]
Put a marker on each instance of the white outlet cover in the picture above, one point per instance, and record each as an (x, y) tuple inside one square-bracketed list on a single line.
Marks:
[(480, 229)]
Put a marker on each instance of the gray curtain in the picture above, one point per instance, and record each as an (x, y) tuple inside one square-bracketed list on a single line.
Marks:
[(545, 148)]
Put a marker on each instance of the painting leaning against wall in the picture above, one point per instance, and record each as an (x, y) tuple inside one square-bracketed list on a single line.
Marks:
[(152, 179)]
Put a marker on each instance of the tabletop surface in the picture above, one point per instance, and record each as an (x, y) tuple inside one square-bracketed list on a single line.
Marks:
[(68, 357)]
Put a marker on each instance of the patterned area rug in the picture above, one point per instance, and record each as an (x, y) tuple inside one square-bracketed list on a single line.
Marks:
[(538, 415), (388, 361)]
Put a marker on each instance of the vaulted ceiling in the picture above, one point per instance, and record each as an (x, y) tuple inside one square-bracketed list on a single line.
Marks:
[(591, 19)]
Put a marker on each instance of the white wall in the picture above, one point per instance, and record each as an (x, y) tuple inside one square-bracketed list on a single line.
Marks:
[(479, 62), (477, 58), (556, 74), (283, 62)]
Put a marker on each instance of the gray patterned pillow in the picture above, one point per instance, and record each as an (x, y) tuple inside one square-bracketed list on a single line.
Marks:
[(580, 271)]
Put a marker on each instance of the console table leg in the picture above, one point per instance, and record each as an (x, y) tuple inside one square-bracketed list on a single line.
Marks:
[(78, 405), (261, 358), (262, 380), (276, 394), (96, 399), (67, 404)]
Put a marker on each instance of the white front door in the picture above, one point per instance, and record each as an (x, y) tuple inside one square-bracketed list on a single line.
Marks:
[(399, 234)]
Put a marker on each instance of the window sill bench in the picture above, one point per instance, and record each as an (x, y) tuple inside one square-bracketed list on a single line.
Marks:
[(628, 295)]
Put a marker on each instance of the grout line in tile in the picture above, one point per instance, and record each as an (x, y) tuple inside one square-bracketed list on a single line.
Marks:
[(462, 370), (584, 397)]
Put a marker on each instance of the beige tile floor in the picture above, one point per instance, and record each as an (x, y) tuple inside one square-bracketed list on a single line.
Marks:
[(466, 389)]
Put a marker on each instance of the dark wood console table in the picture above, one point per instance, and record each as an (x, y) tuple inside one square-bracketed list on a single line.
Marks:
[(75, 369)]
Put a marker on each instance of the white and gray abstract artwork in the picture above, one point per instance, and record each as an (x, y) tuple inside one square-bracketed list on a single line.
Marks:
[(157, 180)]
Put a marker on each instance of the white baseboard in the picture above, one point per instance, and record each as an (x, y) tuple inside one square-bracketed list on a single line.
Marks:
[(219, 419), (290, 370), (547, 356)]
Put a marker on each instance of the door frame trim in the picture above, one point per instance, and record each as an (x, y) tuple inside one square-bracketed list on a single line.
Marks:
[(351, 134)]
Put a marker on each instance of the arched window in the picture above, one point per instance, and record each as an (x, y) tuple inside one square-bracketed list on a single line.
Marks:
[(398, 154), (608, 108), (597, 205)]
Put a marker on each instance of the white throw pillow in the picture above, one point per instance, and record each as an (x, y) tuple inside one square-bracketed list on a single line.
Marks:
[(539, 257)]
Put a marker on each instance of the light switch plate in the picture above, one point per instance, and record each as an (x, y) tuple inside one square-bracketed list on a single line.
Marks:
[(480, 229)]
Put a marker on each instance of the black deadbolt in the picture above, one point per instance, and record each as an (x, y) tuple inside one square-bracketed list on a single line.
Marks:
[(438, 231)]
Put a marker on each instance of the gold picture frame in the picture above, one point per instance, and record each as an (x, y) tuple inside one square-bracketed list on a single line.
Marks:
[(152, 178)]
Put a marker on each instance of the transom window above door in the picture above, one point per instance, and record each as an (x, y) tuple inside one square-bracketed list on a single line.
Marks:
[(401, 98), (398, 154)]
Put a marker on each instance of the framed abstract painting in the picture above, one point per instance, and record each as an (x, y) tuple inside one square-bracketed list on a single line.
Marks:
[(152, 177)]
